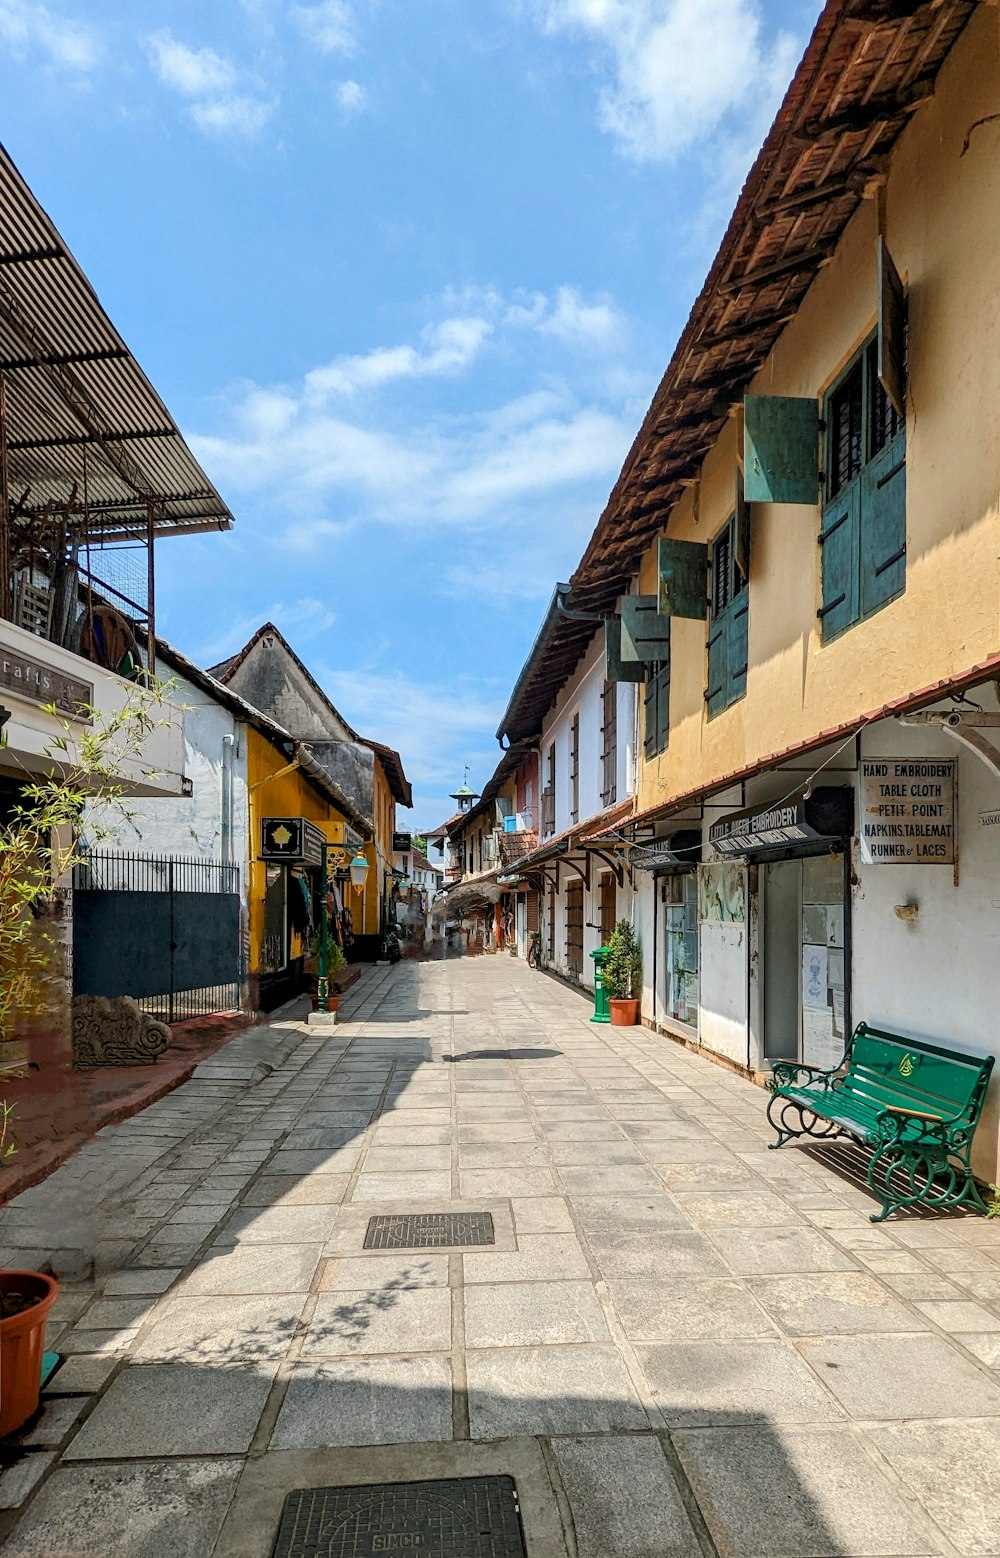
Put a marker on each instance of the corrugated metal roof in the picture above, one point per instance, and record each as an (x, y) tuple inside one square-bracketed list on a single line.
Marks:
[(80, 410)]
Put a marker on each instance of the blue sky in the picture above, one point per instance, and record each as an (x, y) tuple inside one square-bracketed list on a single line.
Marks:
[(407, 273)]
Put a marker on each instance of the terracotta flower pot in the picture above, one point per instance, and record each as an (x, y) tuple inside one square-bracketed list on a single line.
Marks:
[(624, 1014), (22, 1342)]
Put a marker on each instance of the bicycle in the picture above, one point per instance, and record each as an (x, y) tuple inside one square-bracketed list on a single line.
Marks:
[(535, 951)]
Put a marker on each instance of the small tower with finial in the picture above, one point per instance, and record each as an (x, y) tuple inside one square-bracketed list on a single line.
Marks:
[(464, 795)]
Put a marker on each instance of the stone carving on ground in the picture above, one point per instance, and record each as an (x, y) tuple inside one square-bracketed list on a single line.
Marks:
[(112, 1031)]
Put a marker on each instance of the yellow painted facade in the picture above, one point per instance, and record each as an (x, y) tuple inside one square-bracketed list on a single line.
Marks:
[(278, 790), (942, 227), (378, 851)]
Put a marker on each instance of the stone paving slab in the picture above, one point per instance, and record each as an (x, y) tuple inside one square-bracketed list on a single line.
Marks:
[(679, 1343)]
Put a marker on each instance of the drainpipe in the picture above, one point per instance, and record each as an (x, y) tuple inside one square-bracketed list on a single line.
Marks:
[(228, 752)]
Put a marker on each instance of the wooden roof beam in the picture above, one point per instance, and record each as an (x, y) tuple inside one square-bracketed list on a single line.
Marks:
[(864, 116), (810, 259)]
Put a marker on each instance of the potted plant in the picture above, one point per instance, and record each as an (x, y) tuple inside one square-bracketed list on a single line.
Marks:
[(25, 1300), (622, 975)]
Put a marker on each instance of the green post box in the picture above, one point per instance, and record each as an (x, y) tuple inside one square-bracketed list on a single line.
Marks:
[(601, 1013)]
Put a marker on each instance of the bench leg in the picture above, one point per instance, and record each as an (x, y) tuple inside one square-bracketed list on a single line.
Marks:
[(931, 1180), (783, 1113)]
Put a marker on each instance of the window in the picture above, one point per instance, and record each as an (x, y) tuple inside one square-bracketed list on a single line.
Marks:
[(529, 802), (574, 927), (728, 623), (863, 535), (681, 895), (574, 769), (609, 905), (549, 793), (609, 744), (656, 699)]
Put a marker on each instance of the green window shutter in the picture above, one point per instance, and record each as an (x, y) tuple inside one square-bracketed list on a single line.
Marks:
[(883, 526), (663, 709), (615, 668), (741, 528), (838, 542), (649, 718), (780, 449), (891, 328), (718, 665), (683, 569), (645, 634), (739, 645)]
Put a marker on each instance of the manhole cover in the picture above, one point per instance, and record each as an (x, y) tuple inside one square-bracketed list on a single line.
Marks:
[(429, 1231), (470, 1517)]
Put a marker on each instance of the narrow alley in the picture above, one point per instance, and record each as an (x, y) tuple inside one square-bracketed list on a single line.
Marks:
[(677, 1343)]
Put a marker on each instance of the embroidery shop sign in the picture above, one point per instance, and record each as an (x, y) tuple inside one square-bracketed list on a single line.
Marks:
[(908, 811)]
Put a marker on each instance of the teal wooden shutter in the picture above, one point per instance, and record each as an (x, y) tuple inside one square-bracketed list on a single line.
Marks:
[(663, 708), (838, 542), (683, 571), (645, 634), (780, 449), (718, 665), (656, 712), (741, 528), (891, 328), (615, 668), (883, 526), (739, 645), (649, 718)]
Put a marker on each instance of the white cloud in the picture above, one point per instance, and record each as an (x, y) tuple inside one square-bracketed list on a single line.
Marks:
[(329, 27), (677, 69), (333, 453), (447, 348), (26, 28), (351, 98), (213, 84), (305, 618)]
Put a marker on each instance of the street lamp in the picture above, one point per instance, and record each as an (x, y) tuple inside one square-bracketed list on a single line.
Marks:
[(359, 870)]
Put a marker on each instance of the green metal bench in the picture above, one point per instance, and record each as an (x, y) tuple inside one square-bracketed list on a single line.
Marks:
[(916, 1104)]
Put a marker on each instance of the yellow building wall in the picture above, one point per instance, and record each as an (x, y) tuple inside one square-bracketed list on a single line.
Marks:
[(942, 227), (378, 852), (287, 795)]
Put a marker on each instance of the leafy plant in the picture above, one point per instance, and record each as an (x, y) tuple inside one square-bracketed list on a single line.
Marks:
[(42, 840), (335, 961), (994, 1206), (622, 972)]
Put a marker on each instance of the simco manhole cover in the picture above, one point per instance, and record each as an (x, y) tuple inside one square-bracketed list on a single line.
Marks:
[(470, 1517), (429, 1230)]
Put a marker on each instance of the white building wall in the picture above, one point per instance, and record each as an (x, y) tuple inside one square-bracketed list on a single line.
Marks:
[(192, 825), (936, 977)]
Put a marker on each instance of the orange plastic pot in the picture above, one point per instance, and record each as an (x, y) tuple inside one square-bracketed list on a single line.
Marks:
[(624, 1014), (22, 1342)]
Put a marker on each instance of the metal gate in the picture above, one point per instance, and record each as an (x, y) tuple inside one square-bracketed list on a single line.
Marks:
[(161, 928)]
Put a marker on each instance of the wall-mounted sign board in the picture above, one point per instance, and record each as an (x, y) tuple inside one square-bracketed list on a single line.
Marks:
[(908, 811), (295, 840)]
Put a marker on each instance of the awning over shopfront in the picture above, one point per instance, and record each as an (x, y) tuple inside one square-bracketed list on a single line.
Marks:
[(822, 819), (681, 851)]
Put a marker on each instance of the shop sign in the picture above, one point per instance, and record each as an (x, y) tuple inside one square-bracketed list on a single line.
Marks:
[(825, 817), (680, 849), (293, 839), (39, 683), (402, 843), (908, 811), (989, 819)]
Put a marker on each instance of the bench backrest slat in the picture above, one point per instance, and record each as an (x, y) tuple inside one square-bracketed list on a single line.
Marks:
[(885, 1068)]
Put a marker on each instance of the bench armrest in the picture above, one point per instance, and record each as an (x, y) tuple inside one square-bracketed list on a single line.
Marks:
[(785, 1071), (893, 1119)]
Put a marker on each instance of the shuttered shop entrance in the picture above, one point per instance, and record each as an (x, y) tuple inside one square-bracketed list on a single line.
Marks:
[(574, 927)]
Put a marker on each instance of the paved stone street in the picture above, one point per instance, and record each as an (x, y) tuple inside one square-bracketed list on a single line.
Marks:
[(679, 1344)]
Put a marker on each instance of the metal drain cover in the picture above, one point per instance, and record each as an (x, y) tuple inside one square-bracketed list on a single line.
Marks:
[(469, 1517), (429, 1231)]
